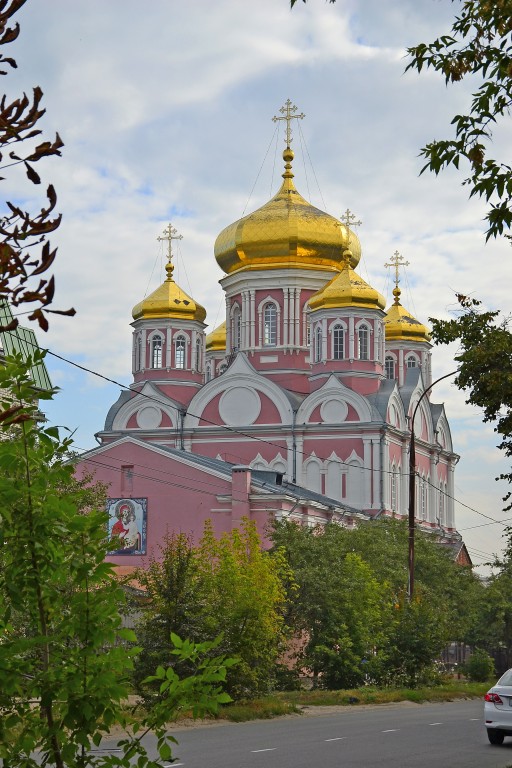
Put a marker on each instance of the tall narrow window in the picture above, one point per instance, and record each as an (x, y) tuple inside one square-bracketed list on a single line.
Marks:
[(156, 351), (236, 329), (338, 338), (389, 367), (138, 352), (198, 356), (363, 336), (179, 352), (208, 372), (393, 491), (269, 325), (318, 344)]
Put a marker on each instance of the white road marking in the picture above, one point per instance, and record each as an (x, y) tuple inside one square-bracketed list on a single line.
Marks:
[(435, 723), (338, 738), (271, 749), (474, 719), (391, 730)]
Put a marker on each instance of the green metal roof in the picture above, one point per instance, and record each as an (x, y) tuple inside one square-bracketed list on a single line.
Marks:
[(22, 341)]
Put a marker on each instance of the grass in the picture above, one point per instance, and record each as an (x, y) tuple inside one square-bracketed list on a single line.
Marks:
[(293, 701)]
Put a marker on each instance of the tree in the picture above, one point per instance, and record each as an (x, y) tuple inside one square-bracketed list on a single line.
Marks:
[(350, 603), (480, 44), (173, 603), (21, 231), (244, 588), (484, 359), (64, 662)]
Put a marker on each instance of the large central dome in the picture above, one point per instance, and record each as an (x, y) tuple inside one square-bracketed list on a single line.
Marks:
[(286, 232)]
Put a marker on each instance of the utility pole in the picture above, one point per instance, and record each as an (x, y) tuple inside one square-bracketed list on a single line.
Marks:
[(412, 485)]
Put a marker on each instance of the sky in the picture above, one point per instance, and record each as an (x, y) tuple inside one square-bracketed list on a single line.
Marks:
[(165, 109)]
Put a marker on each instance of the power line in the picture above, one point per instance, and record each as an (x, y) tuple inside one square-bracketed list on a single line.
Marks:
[(249, 436)]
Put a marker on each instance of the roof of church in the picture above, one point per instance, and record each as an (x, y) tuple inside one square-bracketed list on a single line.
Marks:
[(347, 289), (285, 232), (399, 324), (169, 300)]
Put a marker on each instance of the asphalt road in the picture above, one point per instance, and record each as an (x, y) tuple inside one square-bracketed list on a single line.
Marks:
[(450, 735)]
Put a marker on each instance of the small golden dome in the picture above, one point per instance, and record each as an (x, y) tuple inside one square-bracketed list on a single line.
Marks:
[(169, 301), (347, 290), (400, 325), (216, 340), (285, 232)]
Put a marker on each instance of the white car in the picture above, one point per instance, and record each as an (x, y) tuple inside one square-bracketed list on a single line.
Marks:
[(498, 709)]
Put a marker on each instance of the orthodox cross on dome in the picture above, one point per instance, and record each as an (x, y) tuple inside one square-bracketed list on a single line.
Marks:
[(397, 261), (170, 234), (288, 112), (349, 219)]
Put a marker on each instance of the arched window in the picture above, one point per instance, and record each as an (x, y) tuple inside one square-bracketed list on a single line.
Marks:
[(179, 352), (394, 495), (269, 325), (138, 352), (389, 367), (363, 337), (411, 361), (423, 498), (156, 351), (318, 344), (338, 342), (236, 329), (198, 355), (208, 372)]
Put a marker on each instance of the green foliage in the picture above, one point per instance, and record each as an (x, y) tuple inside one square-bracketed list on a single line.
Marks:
[(226, 587), (64, 659), (173, 603), (480, 44), (485, 365), (349, 608), (480, 666)]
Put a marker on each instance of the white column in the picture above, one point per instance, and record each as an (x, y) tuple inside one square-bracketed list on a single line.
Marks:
[(401, 377), (228, 325), (433, 495), (291, 338), (385, 472), (376, 474), (449, 502), (367, 472), (297, 317), (252, 318), (144, 353), (286, 299), (404, 485), (351, 352), (324, 339)]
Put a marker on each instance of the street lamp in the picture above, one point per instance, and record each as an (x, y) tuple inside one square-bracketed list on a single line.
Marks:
[(412, 484)]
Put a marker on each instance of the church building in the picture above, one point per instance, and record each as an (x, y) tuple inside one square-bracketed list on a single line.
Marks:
[(297, 406)]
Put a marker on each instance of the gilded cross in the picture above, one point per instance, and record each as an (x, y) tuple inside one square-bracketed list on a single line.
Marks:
[(349, 219), (288, 112), (170, 234), (397, 261)]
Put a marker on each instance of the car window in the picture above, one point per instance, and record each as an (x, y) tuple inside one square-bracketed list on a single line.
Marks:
[(506, 679)]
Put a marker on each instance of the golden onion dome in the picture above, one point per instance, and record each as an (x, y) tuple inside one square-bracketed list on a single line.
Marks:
[(400, 325), (347, 290), (169, 301), (285, 232), (216, 340)]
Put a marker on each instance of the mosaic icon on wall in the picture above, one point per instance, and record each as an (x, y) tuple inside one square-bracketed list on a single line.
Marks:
[(127, 524)]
